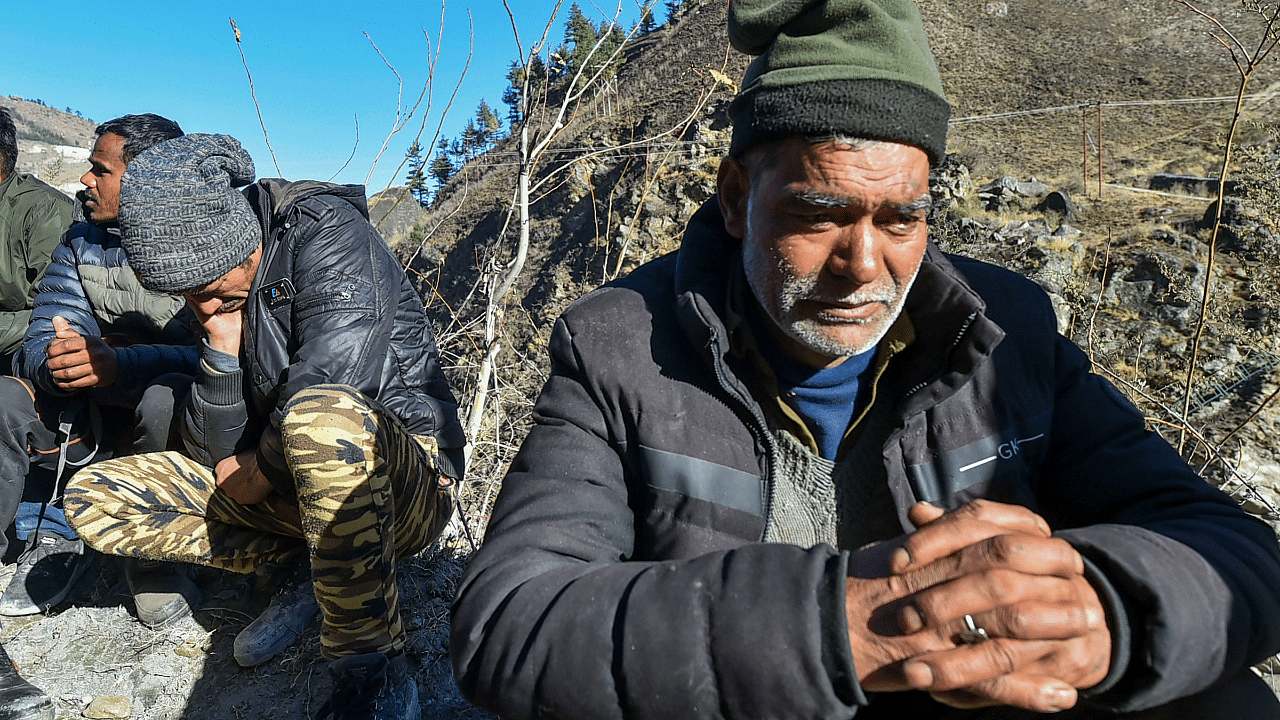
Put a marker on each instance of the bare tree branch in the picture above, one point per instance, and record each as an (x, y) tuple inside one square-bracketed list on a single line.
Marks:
[(354, 145), (253, 94)]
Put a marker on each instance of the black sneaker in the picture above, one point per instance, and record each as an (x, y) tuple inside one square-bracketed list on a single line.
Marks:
[(293, 611), (372, 687), (47, 570), (19, 699)]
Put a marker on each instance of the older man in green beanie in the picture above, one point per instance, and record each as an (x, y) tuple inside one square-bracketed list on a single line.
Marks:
[(842, 473)]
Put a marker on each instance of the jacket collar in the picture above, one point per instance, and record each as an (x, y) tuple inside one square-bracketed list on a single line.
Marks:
[(273, 199), (953, 334)]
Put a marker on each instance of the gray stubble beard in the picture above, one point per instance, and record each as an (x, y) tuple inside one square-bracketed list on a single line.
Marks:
[(806, 330)]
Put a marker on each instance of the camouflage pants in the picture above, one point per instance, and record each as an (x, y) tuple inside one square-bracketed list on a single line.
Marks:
[(367, 495)]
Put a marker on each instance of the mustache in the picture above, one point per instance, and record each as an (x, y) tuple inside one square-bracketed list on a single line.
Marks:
[(857, 297), (805, 288)]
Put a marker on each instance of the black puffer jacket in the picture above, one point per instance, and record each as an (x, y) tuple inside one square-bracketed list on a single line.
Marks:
[(330, 304), (622, 573), (90, 284)]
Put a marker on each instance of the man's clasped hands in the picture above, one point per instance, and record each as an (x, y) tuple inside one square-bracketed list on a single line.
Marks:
[(906, 603)]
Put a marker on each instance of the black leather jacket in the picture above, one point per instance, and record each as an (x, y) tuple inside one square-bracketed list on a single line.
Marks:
[(330, 304), (622, 573)]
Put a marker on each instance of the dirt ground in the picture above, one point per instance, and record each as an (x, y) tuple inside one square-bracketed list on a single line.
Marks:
[(91, 648)]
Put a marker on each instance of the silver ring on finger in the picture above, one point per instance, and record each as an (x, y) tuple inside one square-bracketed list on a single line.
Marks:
[(972, 633)]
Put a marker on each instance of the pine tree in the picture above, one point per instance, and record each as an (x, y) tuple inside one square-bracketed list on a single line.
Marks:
[(580, 37), (673, 9), (537, 75), (647, 22), (415, 177), (442, 166), (469, 141), (512, 95), (442, 169), (511, 98), (605, 61), (488, 126), (444, 149), (537, 72)]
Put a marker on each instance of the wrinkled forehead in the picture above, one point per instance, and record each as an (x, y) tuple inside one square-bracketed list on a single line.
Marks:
[(835, 173)]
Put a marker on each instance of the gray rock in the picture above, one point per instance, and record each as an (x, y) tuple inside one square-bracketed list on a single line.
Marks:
[(949, 183), (1054, 270), (1008, 192), (1022, 231), (1032, 188)]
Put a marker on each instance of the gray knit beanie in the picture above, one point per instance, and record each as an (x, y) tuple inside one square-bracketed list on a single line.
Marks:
[(856, 68), (182, 222)]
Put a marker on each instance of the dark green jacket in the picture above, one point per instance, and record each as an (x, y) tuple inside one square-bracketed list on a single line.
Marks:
[(33, 217)]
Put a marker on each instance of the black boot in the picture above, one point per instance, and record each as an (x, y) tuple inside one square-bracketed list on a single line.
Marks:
[(19, 699), (371, 687)]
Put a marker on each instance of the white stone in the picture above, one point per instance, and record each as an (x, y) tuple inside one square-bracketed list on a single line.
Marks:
[(72, 152)]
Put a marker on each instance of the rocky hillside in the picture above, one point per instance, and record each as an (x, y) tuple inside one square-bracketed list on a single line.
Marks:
[(53, 144), (38, 122)]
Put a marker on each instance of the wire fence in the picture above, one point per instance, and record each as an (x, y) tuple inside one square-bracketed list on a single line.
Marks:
[(1221, 384), (1090, 148), (1070, 143)]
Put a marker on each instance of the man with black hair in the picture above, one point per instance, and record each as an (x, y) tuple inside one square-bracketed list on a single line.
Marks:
[(808, 466), (101, 355)]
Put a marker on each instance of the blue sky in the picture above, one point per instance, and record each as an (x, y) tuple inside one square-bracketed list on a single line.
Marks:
[(313, 69)]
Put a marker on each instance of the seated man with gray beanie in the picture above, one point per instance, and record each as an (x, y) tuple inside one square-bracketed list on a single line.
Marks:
[(808, 466), (319, 421)]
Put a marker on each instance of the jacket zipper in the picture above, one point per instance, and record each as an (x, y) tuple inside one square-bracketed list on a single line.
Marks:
[(934, 378), (754, 422), (896, 435)]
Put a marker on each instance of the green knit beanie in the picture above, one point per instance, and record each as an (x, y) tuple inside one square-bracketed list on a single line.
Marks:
[(858, 68)]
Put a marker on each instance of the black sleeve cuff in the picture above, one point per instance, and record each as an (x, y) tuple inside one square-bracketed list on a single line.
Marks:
[(449, 461), (837, 656), (1119, 623)]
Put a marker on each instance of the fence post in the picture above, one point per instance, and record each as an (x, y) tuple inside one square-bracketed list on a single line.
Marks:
[(1084, 148), (1099, 149)]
